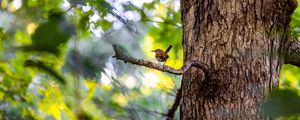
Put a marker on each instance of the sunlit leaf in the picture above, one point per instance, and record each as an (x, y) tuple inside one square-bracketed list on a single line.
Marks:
[(84, 20), (53, 102), (22, 38), (104, 24)]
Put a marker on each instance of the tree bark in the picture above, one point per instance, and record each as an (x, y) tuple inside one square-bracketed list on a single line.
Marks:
[(243, 42)]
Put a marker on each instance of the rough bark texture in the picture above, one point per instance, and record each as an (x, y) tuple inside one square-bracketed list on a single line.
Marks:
[(293, 53), (243, 41)]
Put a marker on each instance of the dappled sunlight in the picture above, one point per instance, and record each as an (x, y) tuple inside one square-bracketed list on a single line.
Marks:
[(91, 88), (14, 6), (139, 3), (22, 38), (161, 10), (31, 27), (174, 61), (156, 79), (4, 4), (87, 103), (130, 82), (91, 108), (11, 6), (148, 46), (105, 79), (53, 103), (17, 4), (290, 77), (120, 99), (165, 83), (65, 5), (105, 87), (151, 79), (146, 90), (107, 74)]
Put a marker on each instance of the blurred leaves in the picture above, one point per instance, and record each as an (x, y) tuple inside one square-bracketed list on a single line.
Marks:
[(282, 103), (290, 77), (84, 20), (53, 103), (50, 35), (2, 34), (295, 22), (43, 67), (105, 25), (80, 2), (69, 41)]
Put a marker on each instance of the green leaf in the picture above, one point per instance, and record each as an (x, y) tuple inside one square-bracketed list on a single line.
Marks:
[(104, 24), (50, 35), (102, 6), (84, 20)]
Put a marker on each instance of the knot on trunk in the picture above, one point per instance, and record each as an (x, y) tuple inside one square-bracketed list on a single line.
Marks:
[(215, 84)]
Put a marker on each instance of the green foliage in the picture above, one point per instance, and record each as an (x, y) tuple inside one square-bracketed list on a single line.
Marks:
[(2, 34), (104, 24), (84, 19), (53, 67), (40, 65), (295, 22), (50, 35)]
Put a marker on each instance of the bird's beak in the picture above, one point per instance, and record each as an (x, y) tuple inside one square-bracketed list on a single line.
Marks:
[(152, 50)]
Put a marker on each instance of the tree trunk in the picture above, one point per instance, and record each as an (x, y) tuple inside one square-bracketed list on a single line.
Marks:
[(242, 42)]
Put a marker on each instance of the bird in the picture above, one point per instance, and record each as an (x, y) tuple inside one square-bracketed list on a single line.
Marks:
[(161, 55)]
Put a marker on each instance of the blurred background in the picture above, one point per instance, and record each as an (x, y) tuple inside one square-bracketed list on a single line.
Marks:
[(56, 60)]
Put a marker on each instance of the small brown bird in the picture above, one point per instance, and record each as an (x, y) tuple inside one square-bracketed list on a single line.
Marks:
[(161, 55)]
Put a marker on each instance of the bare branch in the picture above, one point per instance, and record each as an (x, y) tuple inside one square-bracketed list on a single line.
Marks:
[(192, 63), (293, 54)]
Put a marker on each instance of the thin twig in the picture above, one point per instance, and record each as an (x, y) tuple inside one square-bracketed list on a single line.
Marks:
[(172, 110)]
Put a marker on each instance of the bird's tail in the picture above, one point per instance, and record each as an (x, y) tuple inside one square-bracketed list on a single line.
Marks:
[(168, 49)]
